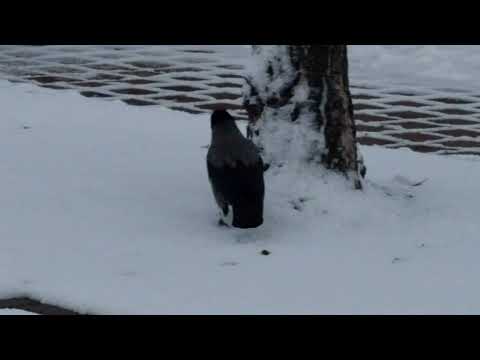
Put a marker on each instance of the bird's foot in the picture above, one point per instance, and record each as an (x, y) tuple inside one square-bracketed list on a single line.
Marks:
[(226, 217), (222, 223)]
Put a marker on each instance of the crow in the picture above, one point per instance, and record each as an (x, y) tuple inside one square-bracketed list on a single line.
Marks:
[(235, 170)]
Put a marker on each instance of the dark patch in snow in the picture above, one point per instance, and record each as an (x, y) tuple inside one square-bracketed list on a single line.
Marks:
[(298, 204), (396, 260), (265, 252), (229, 263), (420, 182), (129, 273), (295, 204)]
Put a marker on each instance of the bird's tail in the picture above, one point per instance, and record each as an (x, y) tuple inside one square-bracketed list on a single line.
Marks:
[(247, 216)]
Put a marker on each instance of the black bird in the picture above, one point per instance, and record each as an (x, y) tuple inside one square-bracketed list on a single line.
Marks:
[(235, 170)]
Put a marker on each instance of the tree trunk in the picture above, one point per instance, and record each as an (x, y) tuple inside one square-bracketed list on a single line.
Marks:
[(300, 107)]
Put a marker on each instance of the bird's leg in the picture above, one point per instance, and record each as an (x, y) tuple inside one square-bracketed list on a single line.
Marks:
[(221, 223), (226, 216)]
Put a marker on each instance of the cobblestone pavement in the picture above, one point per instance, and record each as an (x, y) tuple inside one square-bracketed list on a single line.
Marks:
[(197, 79)]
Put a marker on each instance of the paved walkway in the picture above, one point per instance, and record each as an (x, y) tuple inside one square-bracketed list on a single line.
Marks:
[(197, 79)]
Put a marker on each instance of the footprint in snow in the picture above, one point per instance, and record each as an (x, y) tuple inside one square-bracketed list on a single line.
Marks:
[(397, 260), (405, 181)]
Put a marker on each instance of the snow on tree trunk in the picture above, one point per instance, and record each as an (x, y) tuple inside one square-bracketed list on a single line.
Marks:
[(300, 107)]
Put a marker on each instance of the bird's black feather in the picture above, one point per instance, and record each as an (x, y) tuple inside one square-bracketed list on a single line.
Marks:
[(235, 170), (243, 188)]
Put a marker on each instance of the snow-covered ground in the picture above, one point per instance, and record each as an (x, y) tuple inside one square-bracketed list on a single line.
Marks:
[(106, 208), (14, 312), (435, 66), (452, 67)]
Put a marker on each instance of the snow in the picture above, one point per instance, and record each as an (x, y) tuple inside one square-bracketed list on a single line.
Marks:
[(106, 208), (281, 141), (15, 312), (437, 66), (430, 66)]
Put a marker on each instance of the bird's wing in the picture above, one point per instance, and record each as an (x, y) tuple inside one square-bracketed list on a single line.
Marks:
[(238, 184)]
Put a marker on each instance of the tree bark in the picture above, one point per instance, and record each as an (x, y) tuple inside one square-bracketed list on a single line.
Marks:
[(300, 107)]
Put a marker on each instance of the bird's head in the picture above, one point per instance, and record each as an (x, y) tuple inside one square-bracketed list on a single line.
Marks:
[(220, 117)]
